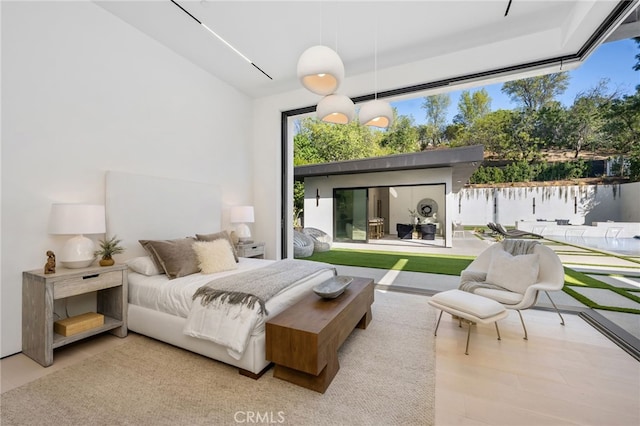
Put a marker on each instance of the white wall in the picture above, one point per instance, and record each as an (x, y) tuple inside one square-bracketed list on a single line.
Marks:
[(630, 202), (83, 92), (595, 203)]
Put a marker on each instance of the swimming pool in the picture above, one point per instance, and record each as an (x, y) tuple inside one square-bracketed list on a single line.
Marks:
[(624, 246)]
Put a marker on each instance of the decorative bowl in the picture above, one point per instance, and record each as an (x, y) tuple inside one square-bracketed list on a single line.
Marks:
[(333, 287)]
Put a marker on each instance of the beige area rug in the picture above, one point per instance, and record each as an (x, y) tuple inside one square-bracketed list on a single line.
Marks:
[(386, 377)]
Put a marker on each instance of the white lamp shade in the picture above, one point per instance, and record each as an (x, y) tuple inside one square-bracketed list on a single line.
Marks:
[(376, 113), (242, 214), (338, 109), (67, 219), (320, 70), (74, 219)]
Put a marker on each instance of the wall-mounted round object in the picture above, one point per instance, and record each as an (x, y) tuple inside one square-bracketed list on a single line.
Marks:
[(426, 207)]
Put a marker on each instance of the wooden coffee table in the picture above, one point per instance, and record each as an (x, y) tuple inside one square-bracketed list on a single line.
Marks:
[(303, 340)]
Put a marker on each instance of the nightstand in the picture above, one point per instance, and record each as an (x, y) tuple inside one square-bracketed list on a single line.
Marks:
[(39, 291), (250, 250)]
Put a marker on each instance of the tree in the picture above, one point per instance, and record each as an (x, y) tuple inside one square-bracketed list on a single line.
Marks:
[(401, 136), (623, 127), (436, 107), (535, 92), (472, 106), (636, 67), (586, 118)]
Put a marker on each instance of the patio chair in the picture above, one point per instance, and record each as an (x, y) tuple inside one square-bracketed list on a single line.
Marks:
[(321, 240), (513, 233), (302, 245), (458, 228), (515, 281)]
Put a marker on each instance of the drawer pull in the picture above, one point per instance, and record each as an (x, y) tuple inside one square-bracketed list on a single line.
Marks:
[(87, 277)]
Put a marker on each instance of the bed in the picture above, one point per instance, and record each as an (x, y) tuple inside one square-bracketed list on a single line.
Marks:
[(149, 208)]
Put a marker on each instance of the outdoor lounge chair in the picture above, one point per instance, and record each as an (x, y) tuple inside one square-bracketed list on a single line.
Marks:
[(321, 240), (513, 233)]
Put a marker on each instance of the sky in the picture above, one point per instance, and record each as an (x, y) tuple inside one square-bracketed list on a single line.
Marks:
[(613, 60)]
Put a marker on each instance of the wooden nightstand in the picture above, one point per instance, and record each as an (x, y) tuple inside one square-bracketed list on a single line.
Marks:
[(251, 250), (39, 290)]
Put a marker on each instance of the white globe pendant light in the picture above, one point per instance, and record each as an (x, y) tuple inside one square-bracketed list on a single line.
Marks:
[(338, 109), (320, 70), (376, 113)]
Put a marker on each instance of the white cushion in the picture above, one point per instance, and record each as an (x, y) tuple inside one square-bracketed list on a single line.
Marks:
[(503, 296), (215, 256), (477, 306), (144, 265), (515, 273)]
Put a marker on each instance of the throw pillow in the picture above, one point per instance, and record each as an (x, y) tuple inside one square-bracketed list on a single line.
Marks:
[(176, 257), (514, 273), (217, 236), (214, 256), (144, 265)]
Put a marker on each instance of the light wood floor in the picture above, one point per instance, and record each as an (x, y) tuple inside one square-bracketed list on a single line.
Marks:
[(569, 375)]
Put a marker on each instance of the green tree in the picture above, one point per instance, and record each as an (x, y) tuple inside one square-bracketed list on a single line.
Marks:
[(586, 118), (401, 136), (535, 92), (472, 106), (623, 127), (436, 107)]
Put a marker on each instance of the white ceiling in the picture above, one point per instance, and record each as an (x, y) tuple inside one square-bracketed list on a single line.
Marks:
[(418, 41)]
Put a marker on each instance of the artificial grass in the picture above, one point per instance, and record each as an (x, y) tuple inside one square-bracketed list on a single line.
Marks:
[(454, 265), (413, 262)]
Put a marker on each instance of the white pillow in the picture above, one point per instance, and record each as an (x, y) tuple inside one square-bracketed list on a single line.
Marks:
[(215, 256), (515, 273), (144, 265)]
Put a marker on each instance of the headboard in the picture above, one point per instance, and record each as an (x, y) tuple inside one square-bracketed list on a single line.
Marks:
[(152, 208)]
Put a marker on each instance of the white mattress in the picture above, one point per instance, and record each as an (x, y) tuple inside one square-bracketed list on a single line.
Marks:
[(173, 297)]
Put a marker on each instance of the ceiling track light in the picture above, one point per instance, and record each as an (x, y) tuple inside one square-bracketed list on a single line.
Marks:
[(222, 40), (320, 70), (336, 108)]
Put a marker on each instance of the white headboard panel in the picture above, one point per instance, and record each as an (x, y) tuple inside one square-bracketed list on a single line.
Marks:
[(151, 208)]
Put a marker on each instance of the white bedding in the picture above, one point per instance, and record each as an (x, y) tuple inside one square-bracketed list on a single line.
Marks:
[(174, 297)]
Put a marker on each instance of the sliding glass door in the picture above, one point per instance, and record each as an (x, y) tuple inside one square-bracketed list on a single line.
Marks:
[(350, 215)]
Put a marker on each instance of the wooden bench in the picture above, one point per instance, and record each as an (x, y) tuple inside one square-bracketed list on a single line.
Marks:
[(303, 340)]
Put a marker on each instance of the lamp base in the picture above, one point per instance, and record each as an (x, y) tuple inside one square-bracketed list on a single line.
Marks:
[(77, 253), (244, 233)]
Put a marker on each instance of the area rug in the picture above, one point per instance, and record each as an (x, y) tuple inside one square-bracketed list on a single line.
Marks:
[(386, 376)]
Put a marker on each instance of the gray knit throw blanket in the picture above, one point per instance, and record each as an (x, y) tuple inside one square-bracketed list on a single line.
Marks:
[(470, 281), (259, 285)]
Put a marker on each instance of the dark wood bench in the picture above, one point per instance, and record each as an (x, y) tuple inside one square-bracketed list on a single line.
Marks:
[(303, 340)]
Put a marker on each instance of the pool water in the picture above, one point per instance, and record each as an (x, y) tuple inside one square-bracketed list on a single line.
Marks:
[(624, 246)]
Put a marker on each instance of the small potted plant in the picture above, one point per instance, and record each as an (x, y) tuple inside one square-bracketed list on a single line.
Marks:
[(107, 249), (415, 221)]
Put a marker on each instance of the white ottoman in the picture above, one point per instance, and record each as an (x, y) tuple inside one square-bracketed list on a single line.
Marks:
[(470, 307)]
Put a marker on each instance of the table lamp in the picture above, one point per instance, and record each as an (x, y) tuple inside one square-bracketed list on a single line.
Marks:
[(241, 215), (77, 219)]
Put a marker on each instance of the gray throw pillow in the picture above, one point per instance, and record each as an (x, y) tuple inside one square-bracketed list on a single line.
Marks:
[(175, 257)]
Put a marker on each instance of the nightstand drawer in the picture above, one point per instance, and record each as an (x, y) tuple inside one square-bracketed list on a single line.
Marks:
[(86, 284), (249, 251)]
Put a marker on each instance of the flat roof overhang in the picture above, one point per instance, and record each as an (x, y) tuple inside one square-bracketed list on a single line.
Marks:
[(463, 161)]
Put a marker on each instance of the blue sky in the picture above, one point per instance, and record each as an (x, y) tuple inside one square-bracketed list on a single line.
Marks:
[(611, 60)]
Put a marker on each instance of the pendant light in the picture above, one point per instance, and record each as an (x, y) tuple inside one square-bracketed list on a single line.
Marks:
[(336, 108), (376, 113), (320, 70)]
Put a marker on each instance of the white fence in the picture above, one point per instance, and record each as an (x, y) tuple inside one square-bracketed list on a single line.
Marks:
[(579, 204)]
